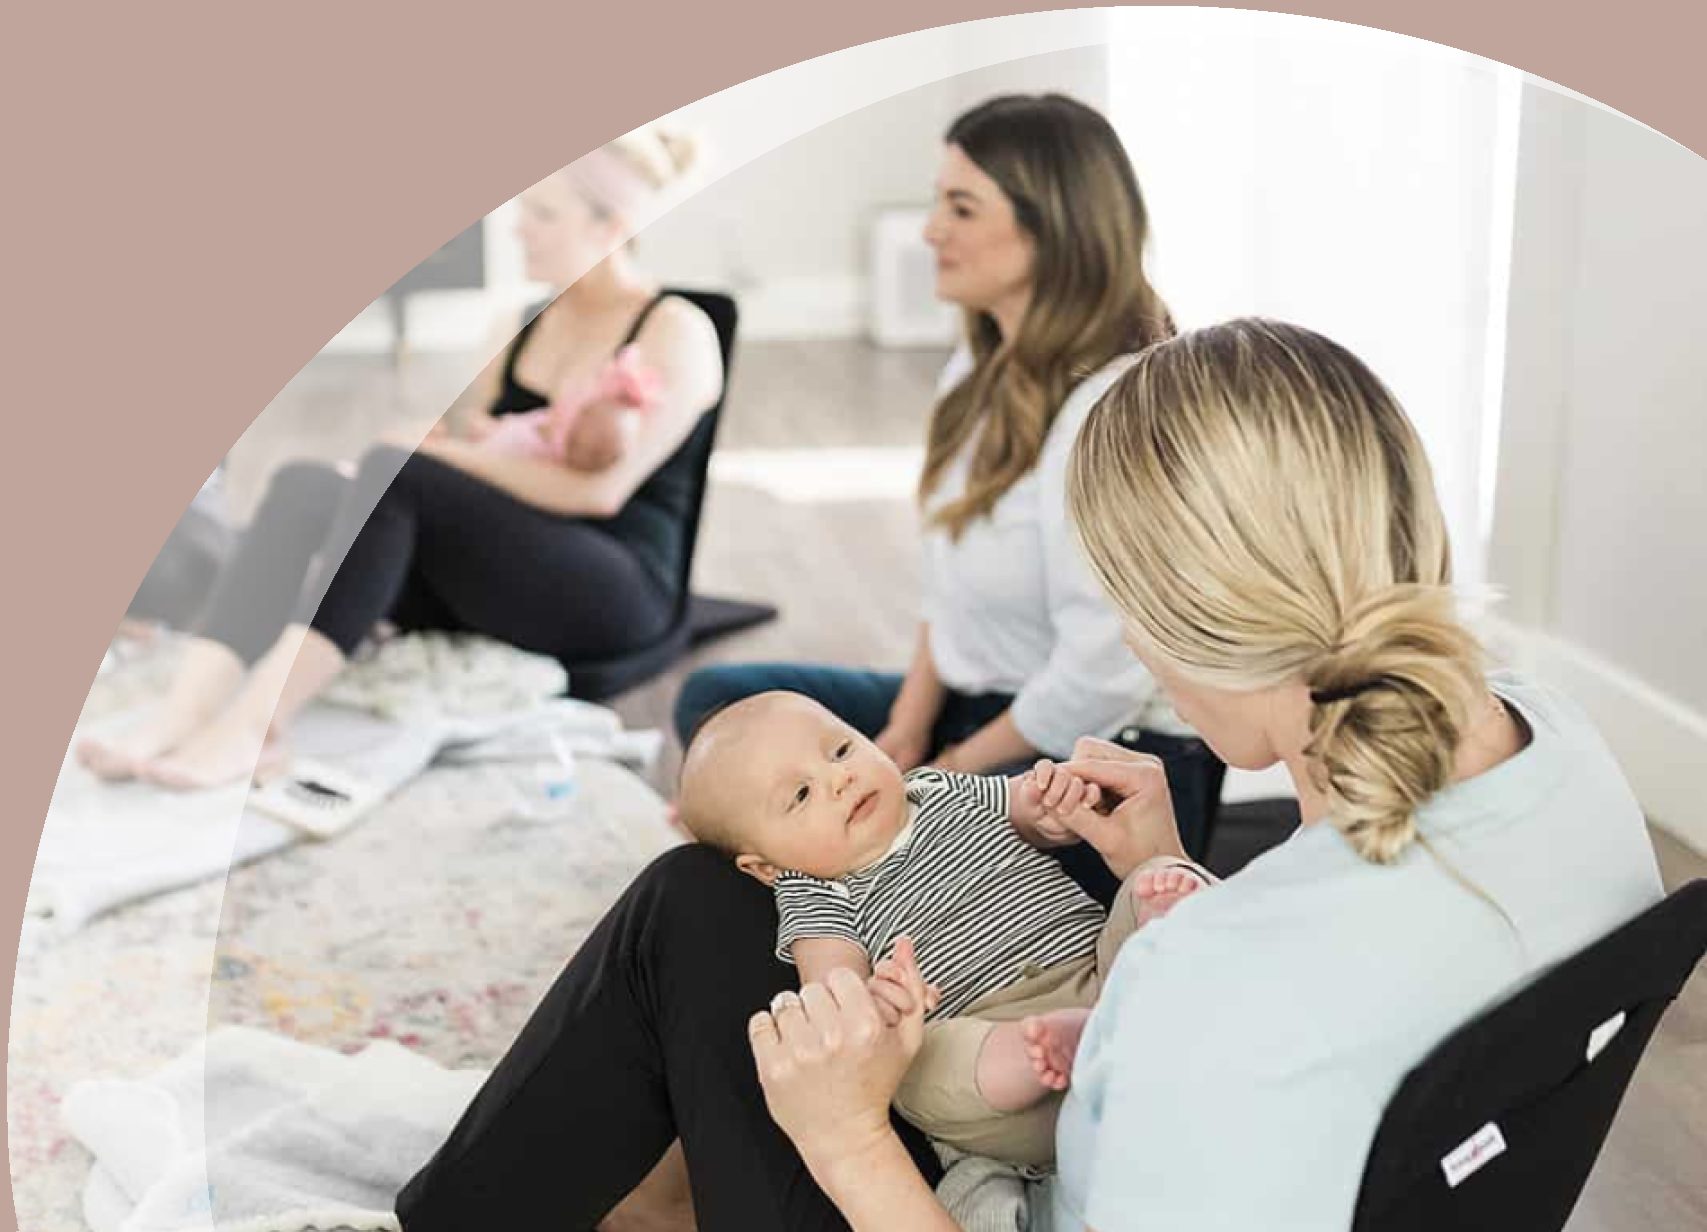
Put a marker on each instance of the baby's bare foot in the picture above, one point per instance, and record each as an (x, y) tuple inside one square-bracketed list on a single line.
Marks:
[(1158, 891), (1052, 1041)]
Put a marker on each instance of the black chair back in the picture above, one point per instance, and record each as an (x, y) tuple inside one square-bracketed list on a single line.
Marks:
[(1499, 1127), (598, 681), (725, 317)]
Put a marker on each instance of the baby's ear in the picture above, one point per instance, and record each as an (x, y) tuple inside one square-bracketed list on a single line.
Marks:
[(758, 868)]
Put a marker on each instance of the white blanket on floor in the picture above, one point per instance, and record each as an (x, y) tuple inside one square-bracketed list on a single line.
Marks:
[(106, 844), (252, 1132)]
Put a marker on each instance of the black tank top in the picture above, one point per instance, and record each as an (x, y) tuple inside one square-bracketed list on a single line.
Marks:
[(653, 524)]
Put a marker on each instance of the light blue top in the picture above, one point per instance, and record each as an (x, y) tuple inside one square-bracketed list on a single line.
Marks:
[(1234, 1072)]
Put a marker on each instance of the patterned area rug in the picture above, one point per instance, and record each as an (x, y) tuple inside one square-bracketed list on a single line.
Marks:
[(437, 922)]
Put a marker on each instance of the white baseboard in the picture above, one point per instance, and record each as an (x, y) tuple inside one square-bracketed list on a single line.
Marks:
[(1660, 743)]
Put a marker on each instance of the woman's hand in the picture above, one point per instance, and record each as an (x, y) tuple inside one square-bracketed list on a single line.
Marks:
[(1133, 818), (828, 1063), (1045, 799)]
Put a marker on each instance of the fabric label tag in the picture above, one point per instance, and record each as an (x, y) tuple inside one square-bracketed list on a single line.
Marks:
[(1476, 1150)]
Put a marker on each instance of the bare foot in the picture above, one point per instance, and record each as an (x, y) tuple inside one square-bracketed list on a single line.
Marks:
[(221, 753), (1159, 890), (206, 679), (119, 756), (240, 744), (1052, 1041)]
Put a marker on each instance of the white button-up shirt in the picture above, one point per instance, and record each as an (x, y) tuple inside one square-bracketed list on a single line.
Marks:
[(1013, 608)]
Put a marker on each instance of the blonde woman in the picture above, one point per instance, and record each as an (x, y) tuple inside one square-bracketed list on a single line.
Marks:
[(1039, 230), (1260, 510), (551, 556)]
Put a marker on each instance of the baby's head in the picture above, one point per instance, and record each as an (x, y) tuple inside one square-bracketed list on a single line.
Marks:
[(780, 783)]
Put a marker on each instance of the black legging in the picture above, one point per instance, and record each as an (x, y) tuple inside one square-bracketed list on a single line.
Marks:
[(428, 547), (642, 1039)]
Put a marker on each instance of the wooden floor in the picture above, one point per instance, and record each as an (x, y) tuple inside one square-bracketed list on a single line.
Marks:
[(833, 545)]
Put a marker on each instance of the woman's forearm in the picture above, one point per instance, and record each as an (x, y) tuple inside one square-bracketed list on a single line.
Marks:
[(880, 1189), (920, 700), (997, 743), (554, 489)]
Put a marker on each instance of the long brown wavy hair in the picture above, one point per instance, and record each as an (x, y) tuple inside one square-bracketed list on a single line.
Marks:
[(1075, 195)]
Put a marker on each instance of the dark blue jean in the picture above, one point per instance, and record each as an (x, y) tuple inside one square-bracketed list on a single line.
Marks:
[(862, 699)]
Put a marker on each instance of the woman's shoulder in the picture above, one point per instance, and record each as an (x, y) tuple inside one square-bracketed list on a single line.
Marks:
[(672, 318), (679, 335), (1084, 396), (1079, 403)]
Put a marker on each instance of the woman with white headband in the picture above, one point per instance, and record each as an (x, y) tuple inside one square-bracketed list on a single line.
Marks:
[(545, 553)]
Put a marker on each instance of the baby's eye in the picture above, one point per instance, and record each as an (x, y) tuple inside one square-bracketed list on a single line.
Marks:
[(800, 795), (843, 749)]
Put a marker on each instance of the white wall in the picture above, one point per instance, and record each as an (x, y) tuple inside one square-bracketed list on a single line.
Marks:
[(788, 231), (798, 161), (1336, 177), (1600, 534)]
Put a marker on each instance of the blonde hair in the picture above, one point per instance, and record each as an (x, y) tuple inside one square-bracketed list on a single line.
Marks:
[(1256, 503), (662, 154), (1074, 193)]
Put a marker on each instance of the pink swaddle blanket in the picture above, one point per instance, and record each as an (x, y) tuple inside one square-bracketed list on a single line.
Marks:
[(623, 382)]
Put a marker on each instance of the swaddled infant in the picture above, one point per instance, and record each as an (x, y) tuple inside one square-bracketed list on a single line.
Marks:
[(589, 425)]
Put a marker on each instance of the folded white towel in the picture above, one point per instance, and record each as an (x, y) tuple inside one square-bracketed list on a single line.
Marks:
[(252, 1132)]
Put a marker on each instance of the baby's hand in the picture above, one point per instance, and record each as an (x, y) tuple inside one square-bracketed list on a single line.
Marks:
[(890, 993), (1062, 797), (1028, 804)]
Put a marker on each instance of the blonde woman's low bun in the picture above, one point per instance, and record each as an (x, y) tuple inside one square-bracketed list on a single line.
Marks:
[(1391, 700)]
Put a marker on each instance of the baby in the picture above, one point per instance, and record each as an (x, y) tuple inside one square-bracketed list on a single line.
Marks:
[(589, 425), (859, 855)]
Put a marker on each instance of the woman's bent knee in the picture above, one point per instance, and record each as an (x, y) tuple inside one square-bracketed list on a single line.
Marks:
[(706, 690)]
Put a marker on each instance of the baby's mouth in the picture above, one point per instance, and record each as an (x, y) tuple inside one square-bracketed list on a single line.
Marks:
[(862, 809)]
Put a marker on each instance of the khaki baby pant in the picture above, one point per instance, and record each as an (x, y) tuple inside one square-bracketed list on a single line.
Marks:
[(940, 1092)]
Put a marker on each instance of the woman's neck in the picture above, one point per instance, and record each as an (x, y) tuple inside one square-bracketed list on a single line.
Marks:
[(1493, 736), (613, 280), (1008, 314)]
